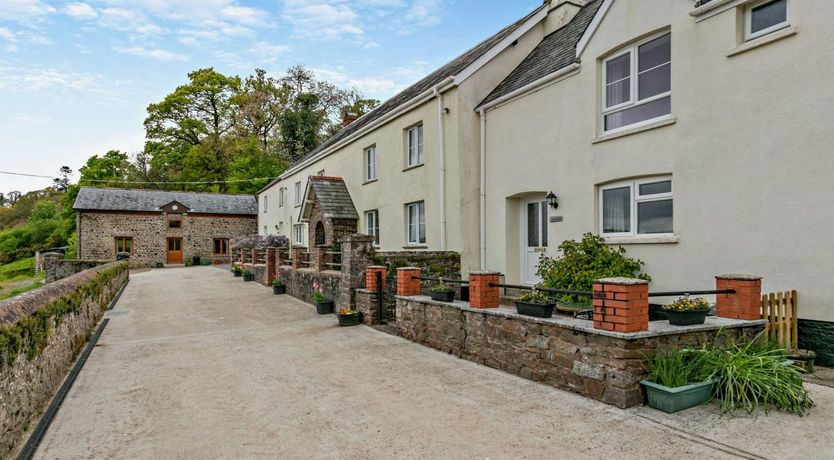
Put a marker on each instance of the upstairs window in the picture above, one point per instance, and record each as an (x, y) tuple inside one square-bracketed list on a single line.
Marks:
[(370, 163), (124, 244), (637, 84), (299, 234), (764, 17), (266, 200), (298, 194), (281, 198), (174, 220), (414, 141), (415, 214), (636, 208), (372, 225)]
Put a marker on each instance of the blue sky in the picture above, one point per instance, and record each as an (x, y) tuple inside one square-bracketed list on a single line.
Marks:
[(76, 77)]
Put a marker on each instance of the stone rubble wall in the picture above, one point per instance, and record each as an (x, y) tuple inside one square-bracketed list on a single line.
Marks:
[(27, 386), (56, 268), (437, 264), (598, 366), (300, 283)]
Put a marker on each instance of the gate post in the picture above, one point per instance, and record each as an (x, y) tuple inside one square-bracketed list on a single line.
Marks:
[(621, 304), (482, 292), (745, 303), (406, 284)]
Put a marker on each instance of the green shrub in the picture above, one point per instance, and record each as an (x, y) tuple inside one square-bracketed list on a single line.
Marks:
[(535, 296), (582, 262), (442, 287), (319, 297), (277, 282), (675, 368)]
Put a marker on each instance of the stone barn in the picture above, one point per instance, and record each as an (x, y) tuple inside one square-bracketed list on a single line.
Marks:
[(329, 211), (159, 226)]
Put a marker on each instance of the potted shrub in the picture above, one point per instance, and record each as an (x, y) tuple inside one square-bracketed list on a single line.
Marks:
[(237, 271), (535, 303), (248, 276), (687, 312), (323, 304), (348, 317), (675, 381), (442, 293), (278, 287)]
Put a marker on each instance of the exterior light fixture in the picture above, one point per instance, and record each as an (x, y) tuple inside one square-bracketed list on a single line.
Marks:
[(553, 200)]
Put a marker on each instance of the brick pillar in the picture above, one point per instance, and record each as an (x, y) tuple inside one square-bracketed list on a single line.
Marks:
[(370, 278), (406, 284), (356, 256), (621, 304), (279, 257), (319, 258), (746, 303), (298, 257), (254, 256), (271, 266), (481, 294)]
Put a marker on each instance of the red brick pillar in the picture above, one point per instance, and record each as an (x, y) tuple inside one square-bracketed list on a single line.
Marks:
[(407, 285), (271, 264), (621, 304), (319, 259), (370, 278), (298, 257), (481, 293), (746, 303), (279, 257)]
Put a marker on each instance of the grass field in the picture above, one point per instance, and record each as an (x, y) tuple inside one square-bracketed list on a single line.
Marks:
[(18, 277)]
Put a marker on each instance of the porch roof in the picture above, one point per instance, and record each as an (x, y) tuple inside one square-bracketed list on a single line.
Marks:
[(333, 197)]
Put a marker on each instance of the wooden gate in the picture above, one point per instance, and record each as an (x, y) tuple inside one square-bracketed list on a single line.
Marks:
[(780, 311)]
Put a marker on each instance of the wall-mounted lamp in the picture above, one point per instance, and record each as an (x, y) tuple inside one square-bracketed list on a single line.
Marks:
[(553, 200)]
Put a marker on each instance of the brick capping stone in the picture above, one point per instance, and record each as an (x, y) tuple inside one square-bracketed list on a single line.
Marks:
[(621, 304), (482, 293), (562, 352), (745, 303), (406, 284), (370, 277)]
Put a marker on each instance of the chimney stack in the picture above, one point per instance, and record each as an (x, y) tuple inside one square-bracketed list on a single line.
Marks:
[(348, 118)]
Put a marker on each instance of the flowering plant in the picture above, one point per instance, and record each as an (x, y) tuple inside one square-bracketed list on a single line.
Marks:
[(442, 287), (277, 282), (347, 311), (318, 295), (535, 296), (685, 304)]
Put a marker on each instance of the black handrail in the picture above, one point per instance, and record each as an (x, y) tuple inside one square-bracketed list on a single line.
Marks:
[(442, 280), (552, 291), (685, 293)]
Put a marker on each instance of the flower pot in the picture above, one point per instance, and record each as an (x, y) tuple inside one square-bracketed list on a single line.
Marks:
[(325, 307), (539, 310), (686, 318), (278, 290), (249, 277), (238, 274), (348, 320), (571, 309), (445, 296), (672, 400)]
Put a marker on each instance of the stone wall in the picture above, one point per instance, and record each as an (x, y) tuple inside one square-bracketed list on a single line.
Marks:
[(31, 379), (56, 268), (819, 337), (97, 232), (566, 353), (300, 283)]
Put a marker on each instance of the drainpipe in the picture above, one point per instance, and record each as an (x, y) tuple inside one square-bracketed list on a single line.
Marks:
[(483, 190), (442, 151)]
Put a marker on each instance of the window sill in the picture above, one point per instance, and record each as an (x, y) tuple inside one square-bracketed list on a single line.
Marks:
[(416, 246), (637, 129), (409, 168), (369, 181), (665, 239), (763, 40)]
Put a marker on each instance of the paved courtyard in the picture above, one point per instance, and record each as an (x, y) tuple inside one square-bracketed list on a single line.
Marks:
[(197, 364)]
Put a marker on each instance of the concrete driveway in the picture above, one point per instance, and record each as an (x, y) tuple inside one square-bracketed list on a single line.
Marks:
[(198, 364)]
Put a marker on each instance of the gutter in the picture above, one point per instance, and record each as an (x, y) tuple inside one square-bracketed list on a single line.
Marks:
[(483, 190), (416, 101), (442, 150), (530, 87)]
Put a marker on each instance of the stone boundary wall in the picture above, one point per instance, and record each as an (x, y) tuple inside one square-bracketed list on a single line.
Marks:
[(438, 264), (69, 310), (300, 283), (565, 353), (56, 268)]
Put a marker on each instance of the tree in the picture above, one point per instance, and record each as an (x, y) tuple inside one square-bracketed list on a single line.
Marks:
[(12, 197), (61, 182), (109, 169), (260, 104), (300, 127), (2, 200)]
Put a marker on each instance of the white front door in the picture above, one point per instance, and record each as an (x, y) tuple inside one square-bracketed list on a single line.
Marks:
[(533, 238)]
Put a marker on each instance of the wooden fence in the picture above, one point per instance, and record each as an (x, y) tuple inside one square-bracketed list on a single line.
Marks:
[(780, 311)]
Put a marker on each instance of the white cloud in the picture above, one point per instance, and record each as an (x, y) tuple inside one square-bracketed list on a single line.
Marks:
[(373, 87), (32, 79), (245, 15), (323, 19), (268, 53), (422, 13), (81, 11), (158, 54), (125, 20), (23, 10), (370, 45)]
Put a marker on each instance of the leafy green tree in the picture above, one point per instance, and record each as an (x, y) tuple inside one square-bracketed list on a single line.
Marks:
[(261, 102), (108, 169), (253, 162), (300, 127), (61, 182)]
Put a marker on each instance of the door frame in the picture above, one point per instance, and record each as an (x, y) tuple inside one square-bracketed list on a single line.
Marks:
[(523, 247), (168, 250)]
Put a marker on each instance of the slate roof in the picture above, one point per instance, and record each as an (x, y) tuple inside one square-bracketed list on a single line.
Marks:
[(115, 199), (451, 68), (555, 52), (333, 198)]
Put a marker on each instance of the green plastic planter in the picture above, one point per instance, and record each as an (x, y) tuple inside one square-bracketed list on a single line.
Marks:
[(671, 400)]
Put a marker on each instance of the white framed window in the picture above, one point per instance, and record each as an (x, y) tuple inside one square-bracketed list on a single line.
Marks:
[(299, 233), (414, 143), (415, 215), (372, 225), (764, 17), (637, 208), (266, 230), (266, 200), (298, 194), (637, 84), (281, 197), (370, 163)]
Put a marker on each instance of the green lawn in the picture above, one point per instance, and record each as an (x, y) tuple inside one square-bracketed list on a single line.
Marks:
[(17, 268), (18, 277)]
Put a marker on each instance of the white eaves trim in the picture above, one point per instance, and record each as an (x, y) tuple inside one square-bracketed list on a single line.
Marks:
[(592, 27), (530, 87), (501, 46)]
